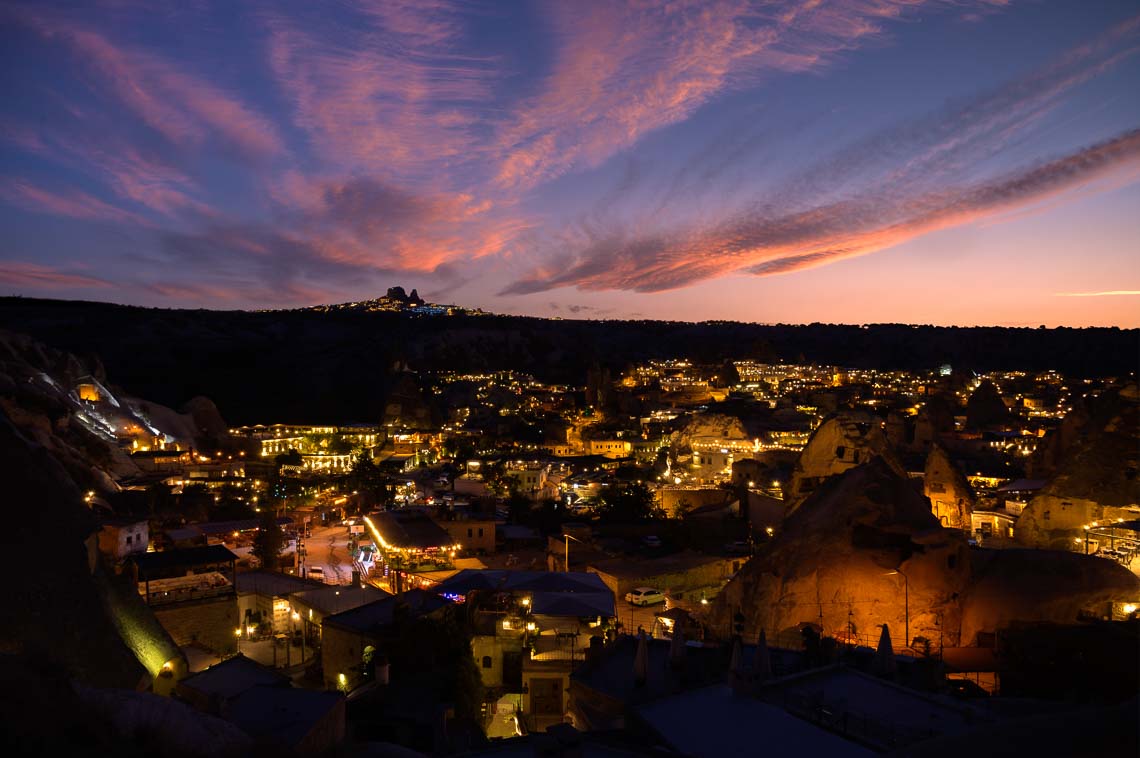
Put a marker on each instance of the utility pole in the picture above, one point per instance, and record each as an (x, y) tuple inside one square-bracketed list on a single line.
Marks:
[(906, 608), (906, 605)]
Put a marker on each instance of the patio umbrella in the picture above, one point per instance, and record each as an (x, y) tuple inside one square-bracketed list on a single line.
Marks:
[(677, 646), (762, 664), (885, 655), (641, 661)]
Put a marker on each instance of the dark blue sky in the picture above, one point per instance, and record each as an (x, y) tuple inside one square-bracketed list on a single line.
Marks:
[(857, 161)]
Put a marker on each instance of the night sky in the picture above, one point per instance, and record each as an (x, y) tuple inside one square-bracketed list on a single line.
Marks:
[(859, 161)]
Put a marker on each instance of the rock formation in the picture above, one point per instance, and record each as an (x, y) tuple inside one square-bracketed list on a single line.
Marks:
[(849, 559), (710, 425), (63, 609), (56, 401), (936, 417), (405, 405), (864, 549), (1096, 480), (985, 408), (952, 499), (1040, 585), (842, 442)]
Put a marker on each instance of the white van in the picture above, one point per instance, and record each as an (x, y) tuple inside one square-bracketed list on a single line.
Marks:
[(317, 572)]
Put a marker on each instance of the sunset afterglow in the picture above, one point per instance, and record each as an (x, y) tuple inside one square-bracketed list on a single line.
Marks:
[(849, 161)]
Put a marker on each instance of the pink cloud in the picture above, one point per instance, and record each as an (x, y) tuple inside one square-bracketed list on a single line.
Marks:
[(773, 245), (389, 96), (184, 108), (371, 223), (887, 188), (72, 203), (20, 274), (623, 70), (122, 166)]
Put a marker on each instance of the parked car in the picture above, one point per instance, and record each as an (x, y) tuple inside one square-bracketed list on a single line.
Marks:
[(739, 547), (651, 541), (317, 572), (644, 596)]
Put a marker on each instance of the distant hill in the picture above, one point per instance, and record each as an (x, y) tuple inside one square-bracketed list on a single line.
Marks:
[(336, 365)]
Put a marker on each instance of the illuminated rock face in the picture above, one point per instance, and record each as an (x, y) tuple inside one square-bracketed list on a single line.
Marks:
[(952, 499), (865, 550), (862, 551), (711, 426), (1040, 585), (1096, 480), (839, 444)]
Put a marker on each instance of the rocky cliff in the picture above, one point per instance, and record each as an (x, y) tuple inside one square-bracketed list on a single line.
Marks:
[(865, 550), (65, 405), (860, 550)]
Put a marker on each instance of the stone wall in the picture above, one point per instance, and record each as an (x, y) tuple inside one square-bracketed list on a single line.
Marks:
[(676, 500), (474, 535), (342, 652), (680, 576)]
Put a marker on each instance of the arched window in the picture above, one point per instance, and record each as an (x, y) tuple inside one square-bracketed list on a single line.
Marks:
[(486, 661)]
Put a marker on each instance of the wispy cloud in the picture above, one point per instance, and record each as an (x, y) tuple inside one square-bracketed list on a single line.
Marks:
[(765, 245), (135, 175), (903, 182), (387, 90), (348, 143), (184, 108), (1108, 293), (37, 276), (625, 69), (73, 203)]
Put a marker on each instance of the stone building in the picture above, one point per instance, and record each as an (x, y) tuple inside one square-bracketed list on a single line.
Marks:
[(952, 500)]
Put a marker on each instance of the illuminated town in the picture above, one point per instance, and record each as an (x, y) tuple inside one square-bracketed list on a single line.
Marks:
[(570, 378), (751, 526)]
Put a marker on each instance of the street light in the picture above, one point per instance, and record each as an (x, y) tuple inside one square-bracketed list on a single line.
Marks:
[(568, 538), (906, 605)]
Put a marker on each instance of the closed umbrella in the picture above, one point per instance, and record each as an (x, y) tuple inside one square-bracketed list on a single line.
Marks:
[(763, 662), (885, 656), (641, 661)]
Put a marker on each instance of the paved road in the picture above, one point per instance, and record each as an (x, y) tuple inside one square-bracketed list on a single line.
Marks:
[(327, 547)]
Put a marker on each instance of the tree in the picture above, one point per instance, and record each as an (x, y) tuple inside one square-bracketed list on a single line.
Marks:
[(728, 376), (291, 458), (627, 502), (518, 504), (369, 481), (269, 542)]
